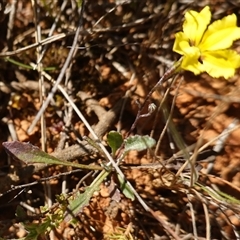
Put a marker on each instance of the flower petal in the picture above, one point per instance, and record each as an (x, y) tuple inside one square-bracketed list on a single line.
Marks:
[(195, 24), (221, 34), (181, 41), (192, 64), (182, 46), (221, 63)]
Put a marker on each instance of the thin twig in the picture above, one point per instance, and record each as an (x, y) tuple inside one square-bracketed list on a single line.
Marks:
[(205, 205), (11, 19), (13, 188), (54, 25), (72, 51), (193, 219), (34, 45)]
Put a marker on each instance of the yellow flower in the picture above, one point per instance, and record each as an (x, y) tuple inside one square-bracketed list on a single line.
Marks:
[(206, 48)]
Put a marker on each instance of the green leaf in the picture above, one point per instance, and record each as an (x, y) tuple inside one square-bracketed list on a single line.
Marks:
[(28, 153), (35, 230), (138, 143), (125, 188), (114, 140), (82, 199), (22, 65), (20, 213)]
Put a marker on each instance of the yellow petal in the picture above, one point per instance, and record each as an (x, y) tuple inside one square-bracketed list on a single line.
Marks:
[(221, 63), (221, 34), (192, 64), (182, 46), (181, 41), (195, 24)]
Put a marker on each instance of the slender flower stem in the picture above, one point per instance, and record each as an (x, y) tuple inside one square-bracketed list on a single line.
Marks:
[(174, 69)]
